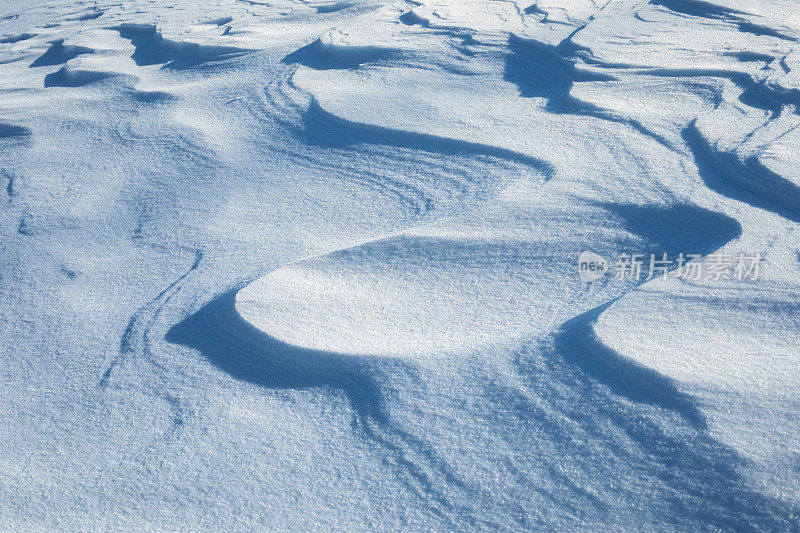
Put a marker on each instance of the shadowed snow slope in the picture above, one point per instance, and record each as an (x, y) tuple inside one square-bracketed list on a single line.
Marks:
[(473, 281), (153, 49)]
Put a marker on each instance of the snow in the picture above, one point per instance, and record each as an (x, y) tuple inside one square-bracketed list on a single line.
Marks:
[(313, 265)]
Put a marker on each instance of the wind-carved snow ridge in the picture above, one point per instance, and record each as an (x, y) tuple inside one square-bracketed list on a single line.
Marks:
[(153, 49), (17, 38), (354, 301), (700, 8), (219, 333), (749, 181), (314, 264), (431, 174), (322, 56), (542, 71), (136, 343), (74, 78), (605, 384)]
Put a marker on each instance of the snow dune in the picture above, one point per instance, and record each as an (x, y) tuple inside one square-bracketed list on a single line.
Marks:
[(314, 265)]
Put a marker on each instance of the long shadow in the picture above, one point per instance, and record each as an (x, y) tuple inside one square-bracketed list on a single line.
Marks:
[(672, 230), (12, 130), (750, 57), (750, 183), (676, 228), (541, 70), (534, 9), (59, 53), (74, 78), (11, 193), (577, 343), (698, 8), (17, 38), (695, 480), (151, 48), (321, 56), (87, 16), (238, 348), (332, 8), (761, 31), (324, 128), (409, 18)]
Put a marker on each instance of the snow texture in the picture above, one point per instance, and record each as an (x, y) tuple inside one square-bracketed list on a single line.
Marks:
[(300, 265)]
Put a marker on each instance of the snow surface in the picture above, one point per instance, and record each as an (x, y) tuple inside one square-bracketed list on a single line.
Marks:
[(304, 265)]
